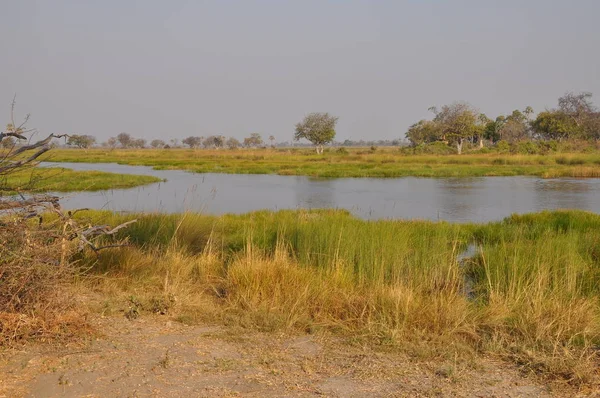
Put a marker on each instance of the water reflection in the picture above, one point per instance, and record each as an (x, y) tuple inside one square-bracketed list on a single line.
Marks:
[(565, 194), (317, 193), (451, 199)]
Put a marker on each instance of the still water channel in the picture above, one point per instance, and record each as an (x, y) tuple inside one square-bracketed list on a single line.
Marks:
[(453, 199)]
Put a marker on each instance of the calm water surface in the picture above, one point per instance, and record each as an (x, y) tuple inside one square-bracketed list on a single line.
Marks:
[(452, 199)]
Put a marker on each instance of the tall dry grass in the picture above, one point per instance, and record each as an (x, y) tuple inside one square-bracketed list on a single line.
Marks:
[(35, 302), (533, 282)]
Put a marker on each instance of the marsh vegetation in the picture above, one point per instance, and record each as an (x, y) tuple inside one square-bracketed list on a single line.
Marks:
[(529, 294)]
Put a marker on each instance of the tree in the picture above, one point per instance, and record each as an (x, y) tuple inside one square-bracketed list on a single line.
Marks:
[(219, 141), (480, 127), (584, 114), (272, 139), (192, 142), (81, 141), (112, 142), (214, 141), (457, 122), (554, 125), (318, 128), (125, 140), (493, 128), (232, 143), (423, 132), (157, 144), (254, 140), (139, 143), (16, 159)]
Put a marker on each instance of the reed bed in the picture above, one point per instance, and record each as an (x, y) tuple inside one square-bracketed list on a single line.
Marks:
[(361, 162), (65, 180), (529, 294)]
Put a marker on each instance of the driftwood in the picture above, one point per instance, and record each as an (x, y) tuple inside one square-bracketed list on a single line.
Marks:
[(35, 201), (19, 157)]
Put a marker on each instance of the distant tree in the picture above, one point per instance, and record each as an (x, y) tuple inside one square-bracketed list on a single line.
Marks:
[(157, 144), (515, 127), (272, 139), (555, 125), (528, 112), (425, 131), (232, 143), (493, 128), (209, 142), (138, 143), (125, 140), (458, 122), (480, 128), (254, 140), (174, 142), (192, 142), (219, 141), (81, 141), (112, 142), (214, 141), (318, 128), (584, 114)]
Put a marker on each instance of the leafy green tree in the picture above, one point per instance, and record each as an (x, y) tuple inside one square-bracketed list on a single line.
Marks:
[(423, 132), (81, 141), (318, 128), (458, 122), (480, 128), (555, 125), (493, 127)]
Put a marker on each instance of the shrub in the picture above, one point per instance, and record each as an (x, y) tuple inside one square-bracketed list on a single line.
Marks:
[(32, 284), (503, 146)]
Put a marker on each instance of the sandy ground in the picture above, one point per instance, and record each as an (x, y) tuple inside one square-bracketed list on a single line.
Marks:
[(153, 357)]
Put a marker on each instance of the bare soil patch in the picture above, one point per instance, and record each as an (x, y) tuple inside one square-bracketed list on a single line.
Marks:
[(154, 357)]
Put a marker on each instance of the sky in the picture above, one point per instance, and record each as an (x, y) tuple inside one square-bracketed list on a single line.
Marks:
[(173, 69)]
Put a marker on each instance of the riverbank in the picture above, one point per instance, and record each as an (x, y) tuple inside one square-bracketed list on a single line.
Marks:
[(361, 162), (527, 295), (57, 179)]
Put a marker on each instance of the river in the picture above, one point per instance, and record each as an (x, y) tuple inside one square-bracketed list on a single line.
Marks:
[(477, 199)]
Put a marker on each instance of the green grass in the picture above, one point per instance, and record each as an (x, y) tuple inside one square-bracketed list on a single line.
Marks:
[(534, 280), (66, 180), (389, 162)]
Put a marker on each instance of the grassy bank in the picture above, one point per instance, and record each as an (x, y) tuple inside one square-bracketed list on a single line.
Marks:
[(530, 294), (361, 162), (66, 180)]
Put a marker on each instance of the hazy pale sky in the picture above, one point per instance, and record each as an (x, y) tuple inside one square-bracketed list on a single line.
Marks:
[(171, 69)]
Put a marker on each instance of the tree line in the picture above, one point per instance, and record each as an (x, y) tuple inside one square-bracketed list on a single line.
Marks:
[(575, 117)]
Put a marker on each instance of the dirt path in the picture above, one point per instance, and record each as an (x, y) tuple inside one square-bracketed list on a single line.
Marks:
[(152, 357)]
